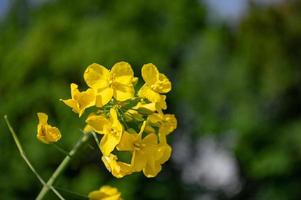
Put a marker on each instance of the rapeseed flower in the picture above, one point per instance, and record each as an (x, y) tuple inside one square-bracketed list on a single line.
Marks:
[(111, 129), (105, 193), (117, 82), (155, 85), (128, 120), (166, 123), (117, 168), (45, 132), (147, 154), (80, 100)]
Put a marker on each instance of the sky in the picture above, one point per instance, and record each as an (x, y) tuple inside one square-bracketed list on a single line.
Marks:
[(4, 5)]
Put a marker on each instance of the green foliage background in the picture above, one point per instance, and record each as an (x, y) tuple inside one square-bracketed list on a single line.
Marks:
[(246, 80)]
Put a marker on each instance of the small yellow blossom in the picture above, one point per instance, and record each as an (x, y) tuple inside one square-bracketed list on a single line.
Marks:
[(45, 132), (147, 155), (112, 130), (156, 84), (105, 193), (117, 168), (80, 100), (167, 123), (117, 82), (157, 81)]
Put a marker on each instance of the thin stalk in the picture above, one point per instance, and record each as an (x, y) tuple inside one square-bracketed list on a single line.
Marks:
[(60, 149), (23, 155), (95, 138), (62, 166), (78, 195)]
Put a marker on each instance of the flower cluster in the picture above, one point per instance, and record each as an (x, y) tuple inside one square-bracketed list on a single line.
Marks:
[(131, 122)]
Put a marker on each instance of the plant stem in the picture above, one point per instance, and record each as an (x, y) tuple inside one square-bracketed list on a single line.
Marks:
[(23, 155), (62, 166)]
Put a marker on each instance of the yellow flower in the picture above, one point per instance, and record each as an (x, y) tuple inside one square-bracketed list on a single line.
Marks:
[(117, 168), (45, 132), (167, 123), (156, 84), (105, 193), (148, 155), (157, 81), (112, 130), (80, 100), (117, 82)]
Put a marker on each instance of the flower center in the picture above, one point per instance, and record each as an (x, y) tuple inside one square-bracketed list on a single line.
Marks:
[(111, 79), (114, 132), (154, 87), (138, 146), (43, 131)]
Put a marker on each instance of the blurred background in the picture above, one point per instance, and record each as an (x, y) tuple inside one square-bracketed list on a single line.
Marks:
[(236, 72)]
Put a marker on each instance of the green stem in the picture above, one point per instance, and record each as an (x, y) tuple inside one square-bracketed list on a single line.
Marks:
[(95, 138), (62, 166), (60, 149), (23, 155)]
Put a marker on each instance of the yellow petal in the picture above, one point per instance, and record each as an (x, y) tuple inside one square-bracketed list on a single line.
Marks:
[(80, 100), (104, 96), (127, 141), (112, 135), (122, 73), (165, 153), (148, 93), (118, 169), (152, 168), (164, 85), (155, 118), (169, 124), (43, 117), (122, 92), (108, 142), (85, 100), (114, 120), (74, 90), (149, 129), (95, 195), (162, 102), (72, 104), (108, 190), (98, 123), (97, 76), (150, 139), (53, 134), (150, 74), (138, 161), (105, 193)]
